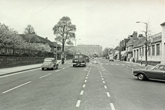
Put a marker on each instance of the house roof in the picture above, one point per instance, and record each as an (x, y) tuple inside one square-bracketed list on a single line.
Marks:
[(139, 42), (131, 41), (35, 38), (54, 44)]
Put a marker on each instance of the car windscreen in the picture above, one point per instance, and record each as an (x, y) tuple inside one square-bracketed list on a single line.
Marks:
[(76, 56), (80, 56), (48, 60)]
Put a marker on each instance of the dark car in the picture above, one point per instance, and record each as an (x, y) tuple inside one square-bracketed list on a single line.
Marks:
[(79, 60), (157, 72), (49, 63)]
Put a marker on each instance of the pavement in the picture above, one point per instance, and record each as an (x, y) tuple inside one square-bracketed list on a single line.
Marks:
[(11, 70)]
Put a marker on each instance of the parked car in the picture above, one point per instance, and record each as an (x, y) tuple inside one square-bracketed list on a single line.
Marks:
[(49, 63), (79, 60), (156, 72)]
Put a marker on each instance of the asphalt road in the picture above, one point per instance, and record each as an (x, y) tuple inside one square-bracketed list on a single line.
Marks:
[(103, 86)]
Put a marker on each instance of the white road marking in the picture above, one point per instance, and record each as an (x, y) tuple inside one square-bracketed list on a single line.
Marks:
[(85, 81), (104, 82), (16, 87), (102, 78), (57, 70), (84, 86), (112, 106), (105, 86), (82, 92), (108, 95), (45, 75), (78, 103), (86, 77)]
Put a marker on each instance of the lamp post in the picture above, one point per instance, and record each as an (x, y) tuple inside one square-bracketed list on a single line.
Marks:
[(75, 44), (146, 42)]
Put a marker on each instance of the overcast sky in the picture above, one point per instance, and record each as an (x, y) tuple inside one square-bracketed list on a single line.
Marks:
[(100, 22)]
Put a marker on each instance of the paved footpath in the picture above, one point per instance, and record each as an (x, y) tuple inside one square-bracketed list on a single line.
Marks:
[(11, 70)]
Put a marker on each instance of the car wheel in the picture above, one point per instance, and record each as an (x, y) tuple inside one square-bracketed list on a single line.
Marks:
[(42, 68), (141, 76), (57, 67)]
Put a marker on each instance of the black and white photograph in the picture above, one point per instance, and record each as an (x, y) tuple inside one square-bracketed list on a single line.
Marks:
[(82, 54)]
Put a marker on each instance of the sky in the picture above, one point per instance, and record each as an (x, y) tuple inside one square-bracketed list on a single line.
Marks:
[(98, 22)]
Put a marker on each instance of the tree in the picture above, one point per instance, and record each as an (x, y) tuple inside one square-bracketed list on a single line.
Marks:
[(64, 31), (29, 30)]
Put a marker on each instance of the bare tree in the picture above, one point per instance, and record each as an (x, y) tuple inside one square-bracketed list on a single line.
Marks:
[(29, 30)]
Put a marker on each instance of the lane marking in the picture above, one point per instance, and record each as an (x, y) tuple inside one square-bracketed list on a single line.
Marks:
[(16, 87), (104, 82), (105, 86), (84, 86), (82, 92), (57, 70), (86, 77), (85, 81), (102, 78), (45, 75), (108, 95), (112, 106), (78, 103)]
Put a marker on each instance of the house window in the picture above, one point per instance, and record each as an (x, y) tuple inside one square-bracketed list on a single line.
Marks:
[(142, 51), (149, 50), (153, 49), (157, 49)]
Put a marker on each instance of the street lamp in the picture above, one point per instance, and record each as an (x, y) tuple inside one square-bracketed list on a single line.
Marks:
[(146, 44), (75, 43)]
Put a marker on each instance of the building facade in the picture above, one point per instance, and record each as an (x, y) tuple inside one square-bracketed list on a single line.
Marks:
[(89, 49), (154, 48)]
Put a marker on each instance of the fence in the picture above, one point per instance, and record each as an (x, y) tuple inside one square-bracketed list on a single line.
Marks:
[(11, 61)]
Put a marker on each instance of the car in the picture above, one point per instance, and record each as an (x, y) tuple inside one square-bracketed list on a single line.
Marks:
[(49, 63), (95, 61), (79, 60), (156, 72), (111, 59)]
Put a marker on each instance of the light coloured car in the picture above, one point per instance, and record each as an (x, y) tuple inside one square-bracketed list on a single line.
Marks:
[(157, 72), (49, 63)]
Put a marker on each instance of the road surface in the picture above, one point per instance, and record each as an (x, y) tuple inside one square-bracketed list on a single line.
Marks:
[(103, 86)]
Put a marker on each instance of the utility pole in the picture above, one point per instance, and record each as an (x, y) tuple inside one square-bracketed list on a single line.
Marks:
[(146, 42)]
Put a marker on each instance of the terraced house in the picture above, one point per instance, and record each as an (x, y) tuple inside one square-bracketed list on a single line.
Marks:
[(155, 48)]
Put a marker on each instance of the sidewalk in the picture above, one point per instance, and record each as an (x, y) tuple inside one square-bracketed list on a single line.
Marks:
[(148, 66), (6, 71)]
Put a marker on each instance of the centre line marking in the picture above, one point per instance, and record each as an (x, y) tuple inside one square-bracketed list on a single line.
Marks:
[(112, 106), (78, 103), (82, 92), (83, 85), (86, 77), (45, 75), (85, 81), (108, 95), (104, 82), (102, 78), (16, 87), (105, 86)]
